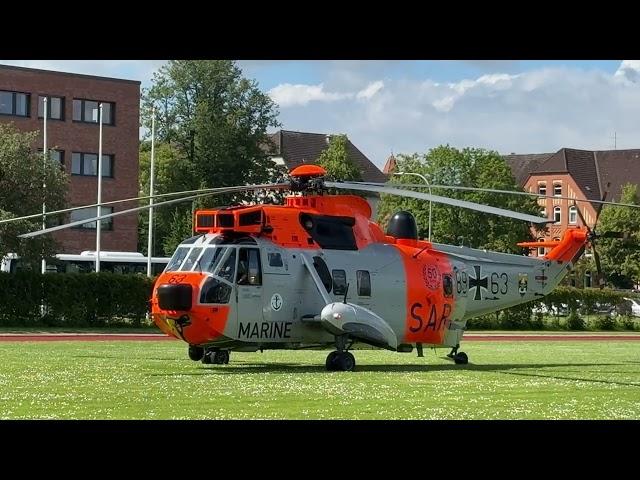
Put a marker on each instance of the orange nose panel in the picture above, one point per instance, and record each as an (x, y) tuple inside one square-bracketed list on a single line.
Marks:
[(201, 324)]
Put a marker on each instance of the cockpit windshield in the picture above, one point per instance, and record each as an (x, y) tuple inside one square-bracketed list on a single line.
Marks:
[(215, 259)]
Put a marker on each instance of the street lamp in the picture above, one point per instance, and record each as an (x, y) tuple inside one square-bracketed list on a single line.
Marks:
[(428, 185)]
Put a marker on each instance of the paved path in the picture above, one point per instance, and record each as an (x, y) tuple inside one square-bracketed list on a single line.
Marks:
[(487, 337)]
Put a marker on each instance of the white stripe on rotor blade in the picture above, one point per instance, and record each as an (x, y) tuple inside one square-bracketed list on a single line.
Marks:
[(438, 199)]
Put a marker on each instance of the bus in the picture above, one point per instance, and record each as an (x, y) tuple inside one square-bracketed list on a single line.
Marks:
[(85, 262)]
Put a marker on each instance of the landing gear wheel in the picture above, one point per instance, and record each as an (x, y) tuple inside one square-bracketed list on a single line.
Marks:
[(331, 362), (346, 362), (207, 358), (461, 358), (196, 353), (221, 357)]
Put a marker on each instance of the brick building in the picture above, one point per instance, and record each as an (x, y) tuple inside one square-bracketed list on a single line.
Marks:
[(579, 174), (73, 134)]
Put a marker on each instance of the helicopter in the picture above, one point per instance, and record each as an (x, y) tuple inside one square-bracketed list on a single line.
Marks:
[(318, 273)]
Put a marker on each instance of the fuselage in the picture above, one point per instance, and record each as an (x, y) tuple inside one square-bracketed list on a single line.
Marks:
[(262, 288)]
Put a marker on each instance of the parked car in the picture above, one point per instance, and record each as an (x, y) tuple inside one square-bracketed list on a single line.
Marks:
[(557, 310), (629, 306)]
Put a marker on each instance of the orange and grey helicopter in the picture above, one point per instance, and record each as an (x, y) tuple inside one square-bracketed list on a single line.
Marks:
[(317, 272)]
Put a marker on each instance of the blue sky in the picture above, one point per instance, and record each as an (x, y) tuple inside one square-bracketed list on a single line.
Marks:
[(528, 106)]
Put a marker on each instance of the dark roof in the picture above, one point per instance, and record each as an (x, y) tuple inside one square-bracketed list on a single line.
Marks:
[(618, 167), (591, 170), (523, 165), (297, 148), (53, 72)]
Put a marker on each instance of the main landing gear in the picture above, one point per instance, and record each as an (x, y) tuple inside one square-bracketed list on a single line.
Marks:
[(207, 356), (459, 357), (341, 359)]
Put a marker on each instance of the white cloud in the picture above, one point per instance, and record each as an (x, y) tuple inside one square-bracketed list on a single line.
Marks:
[(288, 95), (535, 111), (370, 90), (629, 70)]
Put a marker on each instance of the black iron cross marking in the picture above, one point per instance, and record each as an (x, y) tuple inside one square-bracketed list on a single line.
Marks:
[(478, 282)]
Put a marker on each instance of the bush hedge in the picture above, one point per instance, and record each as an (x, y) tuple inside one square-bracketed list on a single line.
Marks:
[(103, 299), (80, 299)]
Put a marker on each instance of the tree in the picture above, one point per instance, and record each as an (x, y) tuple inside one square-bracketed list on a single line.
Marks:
[(335, 160), (22, 171), (620, 258), (470, 167), (211, 128)]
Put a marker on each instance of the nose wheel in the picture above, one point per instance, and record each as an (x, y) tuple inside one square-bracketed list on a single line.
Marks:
[(340, 361), (218, 357)]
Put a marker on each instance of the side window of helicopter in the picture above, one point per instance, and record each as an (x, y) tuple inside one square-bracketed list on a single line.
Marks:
[(447, 285), (275, 259), (323, 273), (364, 283), (249, 267), (339, 282)]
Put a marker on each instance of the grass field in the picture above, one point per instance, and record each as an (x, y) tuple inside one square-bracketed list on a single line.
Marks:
[(156, 380)]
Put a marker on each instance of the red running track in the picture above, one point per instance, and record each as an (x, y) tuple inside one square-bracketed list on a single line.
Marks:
[(90, 337)]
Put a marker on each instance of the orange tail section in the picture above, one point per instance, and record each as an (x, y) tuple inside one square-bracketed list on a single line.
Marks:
[(568, 249)]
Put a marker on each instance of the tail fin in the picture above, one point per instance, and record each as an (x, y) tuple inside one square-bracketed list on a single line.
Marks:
[(569, 249)]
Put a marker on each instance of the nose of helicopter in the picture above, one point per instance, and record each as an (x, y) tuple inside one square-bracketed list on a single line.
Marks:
[(176, 309)]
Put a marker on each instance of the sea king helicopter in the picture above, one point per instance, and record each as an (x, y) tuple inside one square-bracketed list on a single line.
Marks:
[(318, 273)]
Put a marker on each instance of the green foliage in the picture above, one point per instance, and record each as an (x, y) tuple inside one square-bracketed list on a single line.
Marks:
[(603, 322), (470, 167), (575, 322), (22, 172), (621, 257), (335, 160), (73, 299), (211, 126)]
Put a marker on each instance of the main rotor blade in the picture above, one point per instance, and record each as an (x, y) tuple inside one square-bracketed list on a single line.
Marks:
[(112, 202), (596, 257), (584, 222), (221, 190), (493, 190), (438, 199)]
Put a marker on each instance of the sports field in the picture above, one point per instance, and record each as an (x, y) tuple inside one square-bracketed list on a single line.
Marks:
[(156, 380)]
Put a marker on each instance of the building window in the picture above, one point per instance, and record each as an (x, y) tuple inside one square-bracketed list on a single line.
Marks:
[(55, 107), (541, 250), (573, 215), (14, 103), (557, 189), (87, 164), (542, 188), (83, 213), (55, 155), (364, 283), (556, 214), (87, 111)]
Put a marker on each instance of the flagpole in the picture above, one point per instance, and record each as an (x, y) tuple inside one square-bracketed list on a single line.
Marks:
[(44, 178), (99, 222), (150, 243)]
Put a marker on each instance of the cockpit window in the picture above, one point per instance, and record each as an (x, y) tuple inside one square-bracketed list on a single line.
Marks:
[(191, 260), (228, 269), (177, 259), (215, 291), (211, 257)]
